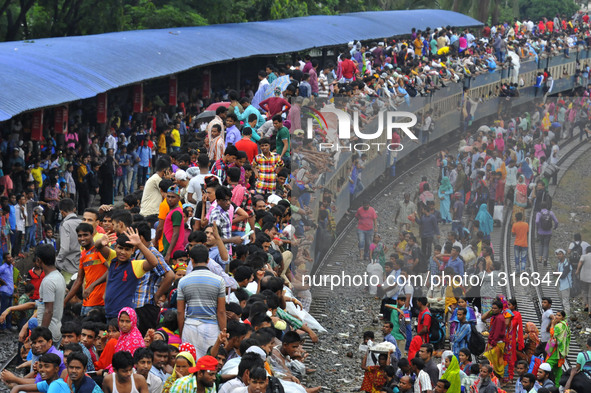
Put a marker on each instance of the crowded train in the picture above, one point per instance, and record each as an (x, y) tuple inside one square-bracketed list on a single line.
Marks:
[(167, 254)]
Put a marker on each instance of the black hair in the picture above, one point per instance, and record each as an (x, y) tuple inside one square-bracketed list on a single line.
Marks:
[(130, 200), (41, 331), (530, 377), (445, 382), (249, 361), (122, 216), (85, 228), (199, 254), (92, 327), (159, 346), (121, 360), (223, 193), (242, 273), (197, 237), (428, 347), (258, 373), (259, 319), (73, 347), (71, 327), (418, 363), (144, 230), (80, 356), (142, 353), (245, 344), (50, 358), (291, 337), (45, 252), (67, 205), (466, 352)]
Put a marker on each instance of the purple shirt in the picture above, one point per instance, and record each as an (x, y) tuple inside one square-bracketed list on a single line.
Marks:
[(54, 351), (539, 226), (313, 80)]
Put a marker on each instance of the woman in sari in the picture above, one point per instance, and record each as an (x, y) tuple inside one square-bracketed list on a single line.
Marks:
[(130, 338), (520, 197), (500, 143), (496, 338), (485, 220), (452, 374), (532, 340), (513, 339), (445, 191), (526, 170), (557, 347), (183, 361)]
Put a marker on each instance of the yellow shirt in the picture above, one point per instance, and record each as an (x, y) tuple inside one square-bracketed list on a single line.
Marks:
[(176, 138), (37, 175), (162, 144)]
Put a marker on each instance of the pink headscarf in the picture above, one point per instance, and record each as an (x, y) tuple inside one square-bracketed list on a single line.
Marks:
[(133, 339)]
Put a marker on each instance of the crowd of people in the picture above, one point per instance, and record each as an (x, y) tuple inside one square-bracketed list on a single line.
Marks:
[(193, 282)]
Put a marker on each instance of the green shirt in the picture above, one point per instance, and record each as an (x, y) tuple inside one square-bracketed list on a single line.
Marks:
[(394, 318), (283, 134), (289, 319)]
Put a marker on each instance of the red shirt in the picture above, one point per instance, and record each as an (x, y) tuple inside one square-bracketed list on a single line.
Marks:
[(274, 105), (424, 320), (348, 68), (249, 147), (36, 281), (366, 218)]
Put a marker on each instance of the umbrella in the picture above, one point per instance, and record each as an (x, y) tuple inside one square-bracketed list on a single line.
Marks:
[(282, 82), (209, 112), (216, 105), (206, 116)]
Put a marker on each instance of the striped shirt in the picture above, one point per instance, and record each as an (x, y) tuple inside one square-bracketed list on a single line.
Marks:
[(200, 290), (150, 282)]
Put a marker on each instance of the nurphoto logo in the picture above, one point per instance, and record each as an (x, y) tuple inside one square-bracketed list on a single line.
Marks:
[(344, 122)]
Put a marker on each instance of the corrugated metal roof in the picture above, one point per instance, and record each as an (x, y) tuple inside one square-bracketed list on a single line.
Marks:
[(52, 71)]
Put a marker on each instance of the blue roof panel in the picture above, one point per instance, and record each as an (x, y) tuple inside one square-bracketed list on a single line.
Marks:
[(53, 71)]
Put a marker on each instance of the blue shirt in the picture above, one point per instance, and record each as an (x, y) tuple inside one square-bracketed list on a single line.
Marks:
[(244, 115), (57, 386), (87, 386), (214, 253), (6, 275), (457, 264), (232, 135), (145, 154)]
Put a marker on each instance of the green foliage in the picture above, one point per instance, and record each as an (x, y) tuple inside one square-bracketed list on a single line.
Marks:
[(537, 9), (30, 19), (146, 15)]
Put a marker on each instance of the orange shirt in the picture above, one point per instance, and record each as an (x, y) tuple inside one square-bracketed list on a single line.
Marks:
[(92, 262), (520, 229)]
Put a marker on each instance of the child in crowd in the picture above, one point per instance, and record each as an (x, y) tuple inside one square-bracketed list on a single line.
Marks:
[(48, 239)]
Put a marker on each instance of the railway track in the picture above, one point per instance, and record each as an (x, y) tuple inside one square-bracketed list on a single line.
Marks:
[(530, 296)]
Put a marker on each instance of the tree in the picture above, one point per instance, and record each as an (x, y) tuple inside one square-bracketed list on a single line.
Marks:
[(537, 9)]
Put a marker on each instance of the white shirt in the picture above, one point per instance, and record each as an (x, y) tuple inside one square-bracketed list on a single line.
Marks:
[(544, 333), (233, 385), (554, 154), (194, 186), (584, 246), (20, 218), (423, 382)]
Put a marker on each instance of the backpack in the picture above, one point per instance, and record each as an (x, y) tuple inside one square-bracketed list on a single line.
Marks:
[(576, 253), (546, 221), (436, 330), (476, 343)]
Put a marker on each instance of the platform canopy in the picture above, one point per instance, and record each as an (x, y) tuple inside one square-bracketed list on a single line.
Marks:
[(52, 71)]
